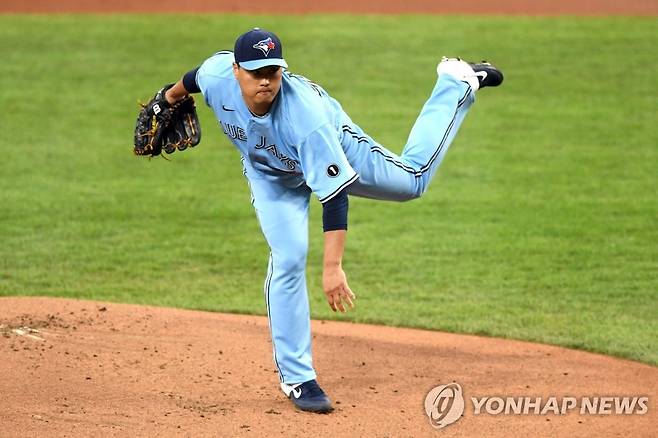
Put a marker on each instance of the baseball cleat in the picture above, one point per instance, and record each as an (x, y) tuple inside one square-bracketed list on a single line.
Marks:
[(488, 75), (477, 75), (308, 396)]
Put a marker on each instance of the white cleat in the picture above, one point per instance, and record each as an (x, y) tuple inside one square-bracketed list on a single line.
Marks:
[(460, 70)]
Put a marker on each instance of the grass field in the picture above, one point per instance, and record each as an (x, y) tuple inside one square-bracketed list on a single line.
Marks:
[(542, 223)]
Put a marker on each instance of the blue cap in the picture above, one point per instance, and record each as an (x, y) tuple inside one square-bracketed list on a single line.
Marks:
[(258, 48)]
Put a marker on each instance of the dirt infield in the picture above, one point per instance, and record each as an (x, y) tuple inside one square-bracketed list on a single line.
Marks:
[(511, 7), (81, 368)]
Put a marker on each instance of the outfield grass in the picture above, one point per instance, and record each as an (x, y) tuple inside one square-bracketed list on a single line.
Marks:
[(542, 223)]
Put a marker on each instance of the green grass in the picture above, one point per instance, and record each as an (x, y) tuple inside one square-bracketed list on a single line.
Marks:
[(542, 223)]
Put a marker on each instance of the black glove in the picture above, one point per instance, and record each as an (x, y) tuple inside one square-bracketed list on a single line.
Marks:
[(163, 126)]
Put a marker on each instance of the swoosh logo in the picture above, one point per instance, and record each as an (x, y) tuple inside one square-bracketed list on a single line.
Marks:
[(291, 389), (227, 109), (482, 74)]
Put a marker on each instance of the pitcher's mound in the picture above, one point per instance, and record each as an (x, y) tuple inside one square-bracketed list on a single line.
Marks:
[(82, 368)]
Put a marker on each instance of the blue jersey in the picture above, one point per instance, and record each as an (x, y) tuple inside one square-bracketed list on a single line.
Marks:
[(297, 142)]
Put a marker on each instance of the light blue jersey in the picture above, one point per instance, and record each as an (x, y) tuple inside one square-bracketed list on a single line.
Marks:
[(307, 144), (296, 141)]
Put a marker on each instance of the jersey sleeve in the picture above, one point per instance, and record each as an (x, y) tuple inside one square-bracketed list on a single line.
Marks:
[(325, 166), (212, 73)]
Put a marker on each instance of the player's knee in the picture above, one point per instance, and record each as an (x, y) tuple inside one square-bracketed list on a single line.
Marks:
[(420, 189), (412, 194), (408, 194), (291, 264), (292, 260), (412, 191)]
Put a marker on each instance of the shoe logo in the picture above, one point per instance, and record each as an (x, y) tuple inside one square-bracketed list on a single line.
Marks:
[(227, 109), (292, 389), (482, 74)]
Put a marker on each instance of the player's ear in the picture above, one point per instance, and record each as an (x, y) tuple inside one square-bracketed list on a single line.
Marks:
[(236, 67)]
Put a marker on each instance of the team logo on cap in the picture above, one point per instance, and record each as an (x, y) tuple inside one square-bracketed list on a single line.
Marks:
[(265, 45)]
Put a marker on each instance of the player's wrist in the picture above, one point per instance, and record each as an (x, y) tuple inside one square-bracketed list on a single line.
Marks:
[(332, 264), (174, 93), (172, 98)]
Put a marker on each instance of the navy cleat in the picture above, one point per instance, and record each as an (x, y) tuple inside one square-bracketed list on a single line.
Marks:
[(477, 75), (488, 75), (308, 396)]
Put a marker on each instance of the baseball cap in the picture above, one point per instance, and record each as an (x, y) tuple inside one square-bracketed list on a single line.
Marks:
[(258, 48)]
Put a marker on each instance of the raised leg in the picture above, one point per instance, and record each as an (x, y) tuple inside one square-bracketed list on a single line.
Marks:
[(386, 175)]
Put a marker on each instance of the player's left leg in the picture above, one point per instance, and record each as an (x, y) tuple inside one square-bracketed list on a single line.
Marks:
[(283, 216), (385, 175)]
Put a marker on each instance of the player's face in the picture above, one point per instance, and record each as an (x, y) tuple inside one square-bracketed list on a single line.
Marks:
[(259, 87)]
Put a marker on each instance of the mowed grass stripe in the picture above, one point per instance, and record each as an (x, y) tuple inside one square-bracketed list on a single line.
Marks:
[(542, 223)]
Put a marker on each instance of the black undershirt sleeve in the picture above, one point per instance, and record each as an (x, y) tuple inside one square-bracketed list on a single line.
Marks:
[(189, 81), (334, 212)]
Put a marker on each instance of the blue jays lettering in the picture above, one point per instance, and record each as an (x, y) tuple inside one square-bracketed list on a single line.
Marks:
[(287, 161), (234, 132)]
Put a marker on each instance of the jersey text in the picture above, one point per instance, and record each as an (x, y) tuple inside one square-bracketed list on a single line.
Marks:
[(287, 161), (233, 131)]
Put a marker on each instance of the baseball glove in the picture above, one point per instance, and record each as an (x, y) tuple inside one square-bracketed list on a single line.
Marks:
[(162, 126)]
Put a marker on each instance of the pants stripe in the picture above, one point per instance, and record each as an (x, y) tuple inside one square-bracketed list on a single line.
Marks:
[(416, 172), (268, 281), (447, 133)]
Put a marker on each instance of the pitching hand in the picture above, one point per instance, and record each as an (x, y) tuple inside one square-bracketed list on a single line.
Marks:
[(339, 294)]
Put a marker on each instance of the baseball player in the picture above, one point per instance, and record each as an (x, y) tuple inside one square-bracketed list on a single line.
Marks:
[(296, 140)]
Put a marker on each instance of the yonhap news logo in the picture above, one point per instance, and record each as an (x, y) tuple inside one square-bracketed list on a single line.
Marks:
[(445, 404), (560, 405)]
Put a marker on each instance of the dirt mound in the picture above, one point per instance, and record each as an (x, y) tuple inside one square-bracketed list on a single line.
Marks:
[(81, 368)]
